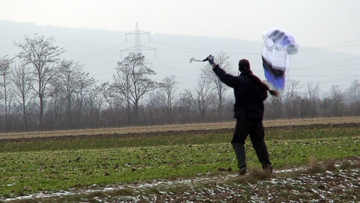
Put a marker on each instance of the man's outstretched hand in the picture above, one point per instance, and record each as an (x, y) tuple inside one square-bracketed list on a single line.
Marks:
[(210, 58)]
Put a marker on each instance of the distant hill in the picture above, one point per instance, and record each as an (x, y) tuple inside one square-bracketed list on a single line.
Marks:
[(99, 50)]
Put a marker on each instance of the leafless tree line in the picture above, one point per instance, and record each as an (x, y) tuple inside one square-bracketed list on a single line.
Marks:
[(41, 91)]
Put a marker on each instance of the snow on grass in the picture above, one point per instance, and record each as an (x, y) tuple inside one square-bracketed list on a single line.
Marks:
[(290, 185)]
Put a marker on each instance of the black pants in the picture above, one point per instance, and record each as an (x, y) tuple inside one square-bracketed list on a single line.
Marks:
[(256, 130)]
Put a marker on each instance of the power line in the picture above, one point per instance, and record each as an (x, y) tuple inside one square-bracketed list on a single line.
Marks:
[(100, 51), (331, 64), (193, 50), (334, 46)]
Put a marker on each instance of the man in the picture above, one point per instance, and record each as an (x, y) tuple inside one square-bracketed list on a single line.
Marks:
[(250, 93)]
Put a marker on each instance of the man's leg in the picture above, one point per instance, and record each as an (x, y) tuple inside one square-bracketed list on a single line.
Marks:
[(241, 131), (257, 136)]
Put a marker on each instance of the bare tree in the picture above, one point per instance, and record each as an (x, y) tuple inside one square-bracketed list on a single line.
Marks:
[(94, 103), (187, 106), (54, 115), (352, 98), (156, 111), (109, 96), (69, 80), (166, 94), (274, 107), (132, 82), (5, 70), (22, 81), (215, 83), (204, 97), (336, 97), (313, 95), (290, 96), (84, 89), (42, 55), (353, 93), (68, 91)]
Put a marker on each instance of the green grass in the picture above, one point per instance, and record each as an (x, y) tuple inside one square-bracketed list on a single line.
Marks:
[(43, 165)]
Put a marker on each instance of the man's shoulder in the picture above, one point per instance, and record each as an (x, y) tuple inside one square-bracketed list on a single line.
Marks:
[(244, 77)]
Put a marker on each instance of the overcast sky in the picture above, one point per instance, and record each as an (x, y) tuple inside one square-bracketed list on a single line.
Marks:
[(332, 25), (327, 24)]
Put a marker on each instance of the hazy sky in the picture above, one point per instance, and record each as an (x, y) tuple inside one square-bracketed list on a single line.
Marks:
[(327, 24), (332, 25)]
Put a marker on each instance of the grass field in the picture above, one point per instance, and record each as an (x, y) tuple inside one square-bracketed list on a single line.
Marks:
[(37, 165)]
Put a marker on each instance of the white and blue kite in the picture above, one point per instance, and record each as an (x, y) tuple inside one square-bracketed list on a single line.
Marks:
[(279, 44)]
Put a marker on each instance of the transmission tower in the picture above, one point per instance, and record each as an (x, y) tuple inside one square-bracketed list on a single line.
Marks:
[(138, 47)]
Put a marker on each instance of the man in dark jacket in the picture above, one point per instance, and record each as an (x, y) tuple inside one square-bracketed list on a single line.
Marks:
[(250, 93)]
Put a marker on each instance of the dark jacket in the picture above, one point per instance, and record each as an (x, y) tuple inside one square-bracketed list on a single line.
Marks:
[(249, 96)]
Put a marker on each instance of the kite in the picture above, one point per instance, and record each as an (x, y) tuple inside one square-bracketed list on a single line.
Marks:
[(279, 44)]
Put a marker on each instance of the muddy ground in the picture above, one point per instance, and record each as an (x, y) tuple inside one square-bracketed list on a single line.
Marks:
[(168, 132), (323, 182)]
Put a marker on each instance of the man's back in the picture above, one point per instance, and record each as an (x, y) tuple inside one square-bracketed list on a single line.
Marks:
[(249, 99)]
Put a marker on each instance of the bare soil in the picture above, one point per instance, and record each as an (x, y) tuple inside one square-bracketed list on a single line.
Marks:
[(202, 128)]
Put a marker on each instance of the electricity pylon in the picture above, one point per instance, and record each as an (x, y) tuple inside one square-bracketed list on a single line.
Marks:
[(138, 47)]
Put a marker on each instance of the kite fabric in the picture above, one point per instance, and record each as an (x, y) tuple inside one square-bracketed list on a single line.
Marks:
[(279, 44)]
